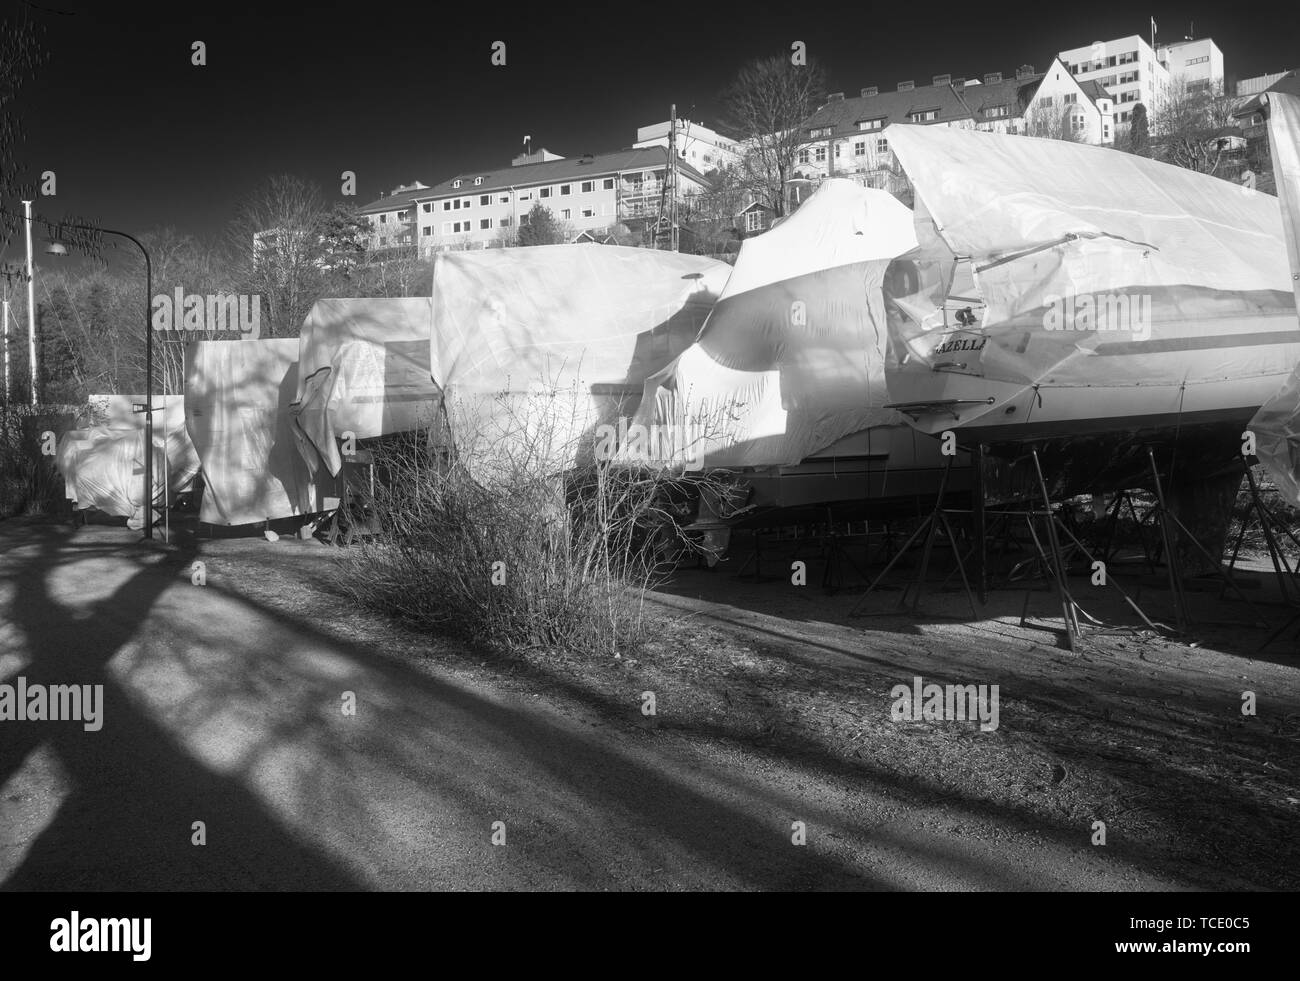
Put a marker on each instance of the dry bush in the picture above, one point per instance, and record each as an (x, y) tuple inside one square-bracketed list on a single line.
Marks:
[(501, 538), (29, 481)]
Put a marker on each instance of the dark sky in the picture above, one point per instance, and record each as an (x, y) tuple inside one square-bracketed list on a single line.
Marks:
[(140, 138)]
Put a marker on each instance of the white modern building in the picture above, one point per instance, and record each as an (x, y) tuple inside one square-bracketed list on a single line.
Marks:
[(1133, 72), (1197, 63), (697, 145), (1128, 68)]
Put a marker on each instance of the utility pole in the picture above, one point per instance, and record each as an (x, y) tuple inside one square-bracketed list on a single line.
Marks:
[(31, 301), (672, 180), (6, 343)]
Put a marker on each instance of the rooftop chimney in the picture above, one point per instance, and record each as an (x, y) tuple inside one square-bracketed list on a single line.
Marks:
[(942, 79), (906, 86), (1024, 71), (992, 77), (870, 91), (959, 82), (835, 97)]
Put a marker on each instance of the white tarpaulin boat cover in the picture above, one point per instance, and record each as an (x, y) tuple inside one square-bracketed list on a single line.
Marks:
[(363, 368), (1044, 220), (1277, 424), (237, 400), (103, 465), (540, 344), (792, 357)]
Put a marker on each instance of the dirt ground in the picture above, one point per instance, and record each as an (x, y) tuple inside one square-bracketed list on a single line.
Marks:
[(1141, 731), (775, 682)]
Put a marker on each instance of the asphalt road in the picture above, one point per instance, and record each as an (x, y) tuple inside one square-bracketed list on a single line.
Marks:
[(221, 710)]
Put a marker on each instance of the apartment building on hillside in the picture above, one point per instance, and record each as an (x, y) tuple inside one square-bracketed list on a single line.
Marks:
[(848, 137), (476, 209)]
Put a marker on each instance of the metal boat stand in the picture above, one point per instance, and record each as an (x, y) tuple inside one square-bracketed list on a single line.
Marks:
[(1273, 530), (1170, 525), (833, 549), (1054, 560), (1113, 517), (937, 519)]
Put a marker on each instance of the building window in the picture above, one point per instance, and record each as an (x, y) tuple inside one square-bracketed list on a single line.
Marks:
[(455, 183), (588, 187), (1070, 98), (426, 230), (456, 204), (609, 183), (803, 159), (923, 116), (484, 223), (754, 221), (485, 200), (503, 199), (882, 145), (994, 112), (428, 208), (478, 181), (566, 213), (820, 132), (1128, 57), (1127, 77), (446, 206), (589, 212), (544, 192), (525, 195), (505, 222), (870, 123), (860, 148), (566, 189), (383, 220), (523, 220), (819, 154), (1199, 61)]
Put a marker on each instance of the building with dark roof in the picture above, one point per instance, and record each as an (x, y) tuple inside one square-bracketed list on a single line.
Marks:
[(847, 137), (476, 208)]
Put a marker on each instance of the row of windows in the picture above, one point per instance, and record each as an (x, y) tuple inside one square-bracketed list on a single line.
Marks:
[(487, 224), (818, 154), (459, 227), (486, 200)]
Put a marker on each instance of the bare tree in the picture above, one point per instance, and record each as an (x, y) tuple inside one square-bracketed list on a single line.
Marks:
[(1191, 128), (20, 55), (709, 215), (276, 240), (766, 106)]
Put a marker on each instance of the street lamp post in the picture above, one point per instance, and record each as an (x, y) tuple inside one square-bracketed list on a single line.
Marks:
[(31, 302), (58, 248)]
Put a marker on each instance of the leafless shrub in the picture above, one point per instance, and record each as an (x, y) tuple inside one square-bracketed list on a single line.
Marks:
[(494, 534)]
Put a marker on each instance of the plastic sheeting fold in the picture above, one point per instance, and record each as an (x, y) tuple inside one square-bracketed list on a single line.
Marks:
[(539, 345), (1277, 424), (792, 357), (237, 409), (1162, 290), (363, 368), (103, 465)]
